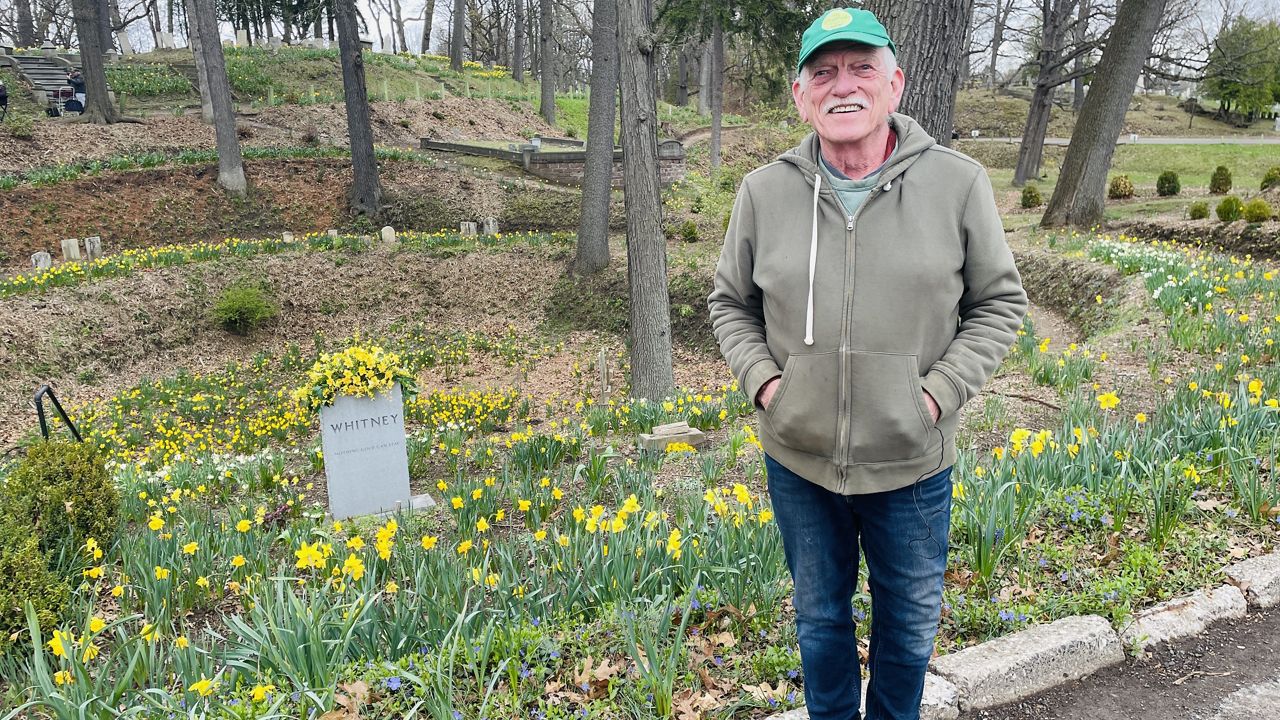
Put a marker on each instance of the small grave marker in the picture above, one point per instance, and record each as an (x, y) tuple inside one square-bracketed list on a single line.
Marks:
[(286, 236), (93, 247), (388, 234), (677, 432), (490, 226), (467, 229), (242, 38), (41, 260), (71, 249), (333, 232)]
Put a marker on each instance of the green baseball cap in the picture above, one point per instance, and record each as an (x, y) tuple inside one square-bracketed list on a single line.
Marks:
[(853, 24)]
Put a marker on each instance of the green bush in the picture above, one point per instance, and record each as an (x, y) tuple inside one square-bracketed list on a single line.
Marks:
[(1271, 179), (1220, 183), (1167, 184), (1031, 197), (1199, 210), (1121, 188), (21, 127), (243, 307), (1257, 210), (689, 231), (1230, 209), (25, 577), (62, 494)]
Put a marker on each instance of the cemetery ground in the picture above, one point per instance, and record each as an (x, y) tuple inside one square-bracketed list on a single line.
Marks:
[(1123, 455)]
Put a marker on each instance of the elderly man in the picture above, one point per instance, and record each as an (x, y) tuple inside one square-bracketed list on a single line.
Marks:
[(865, 292)]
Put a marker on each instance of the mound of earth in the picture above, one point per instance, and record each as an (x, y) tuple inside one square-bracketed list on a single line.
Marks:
[(399, 124)]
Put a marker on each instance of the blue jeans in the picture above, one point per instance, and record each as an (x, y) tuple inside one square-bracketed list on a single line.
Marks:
[(903, 535)]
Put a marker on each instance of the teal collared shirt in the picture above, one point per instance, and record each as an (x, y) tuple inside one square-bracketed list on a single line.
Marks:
[(850, 192)]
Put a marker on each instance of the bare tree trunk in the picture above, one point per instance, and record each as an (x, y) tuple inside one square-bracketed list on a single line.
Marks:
[(717, 88), (651, 363), (1079, 196), (455, 40), (547, 55), (1078, 35), (428, 15), (366, 192), (122, 39), (286, 10), (397, 19), (999, 23), (206, 102), (682, 76), (153, 17), (98, 108), (704, 81), (597, 175), (1031, 151), (230, 162), (26, 25), (517, 53), (929, 50), (317, 31)]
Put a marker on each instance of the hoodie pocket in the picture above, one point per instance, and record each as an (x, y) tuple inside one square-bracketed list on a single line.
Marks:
[(889, 418), (803, 412)]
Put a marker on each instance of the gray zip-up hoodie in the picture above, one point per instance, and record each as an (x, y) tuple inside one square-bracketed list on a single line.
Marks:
[(858, 314)]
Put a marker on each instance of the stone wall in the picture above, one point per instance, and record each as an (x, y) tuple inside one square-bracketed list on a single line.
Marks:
[(570, 172)]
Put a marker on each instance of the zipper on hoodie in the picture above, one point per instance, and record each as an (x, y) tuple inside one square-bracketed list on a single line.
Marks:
[(846, 395)]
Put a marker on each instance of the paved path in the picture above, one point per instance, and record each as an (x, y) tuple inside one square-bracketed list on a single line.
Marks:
[(1124, 139), (1229, 672)]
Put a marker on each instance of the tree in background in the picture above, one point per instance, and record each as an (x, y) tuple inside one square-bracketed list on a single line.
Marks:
[(455, 39), (98, 108), (1243, 72), (1079, 195), (547, 60), (931, 43), (230, 161), (652, 376), (597, 173), (366, 193)]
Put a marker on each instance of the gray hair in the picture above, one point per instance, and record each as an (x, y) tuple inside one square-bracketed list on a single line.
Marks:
[(887, 58)]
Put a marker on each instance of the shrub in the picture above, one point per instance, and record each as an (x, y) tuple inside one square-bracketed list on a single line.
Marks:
[(1167, 184), (1220, 183), (21, 127), (1199, 210), (61, 493), (1271, 179), (1257, 210), (689, 231), (1230, 209), (1031, 197), (1121, 187), (243, 307), (25, 577)]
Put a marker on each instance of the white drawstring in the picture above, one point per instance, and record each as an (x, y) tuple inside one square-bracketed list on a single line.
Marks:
[(813, 260)]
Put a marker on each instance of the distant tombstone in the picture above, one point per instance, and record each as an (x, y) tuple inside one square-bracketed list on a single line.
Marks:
[(275, 43), (71, 249), (387, 47), (242, 38), (333, 233), (490, 226), (41, 260), (366, 462), (467, 229), (974, 133), (286, 236), (1277, 128), (366, 45), (1133, 138), (164, 41), (388, 234), (93, 247)]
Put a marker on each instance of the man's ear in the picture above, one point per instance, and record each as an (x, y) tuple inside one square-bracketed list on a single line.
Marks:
[(797, 94), (896, 84)]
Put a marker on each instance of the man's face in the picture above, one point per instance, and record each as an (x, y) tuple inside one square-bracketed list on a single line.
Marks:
[(848, 94)]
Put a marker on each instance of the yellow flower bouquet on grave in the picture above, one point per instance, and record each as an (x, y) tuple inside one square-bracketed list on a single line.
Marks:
[(358, 371)]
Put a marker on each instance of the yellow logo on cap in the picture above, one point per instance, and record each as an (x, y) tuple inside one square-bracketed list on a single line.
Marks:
[(837, 18)]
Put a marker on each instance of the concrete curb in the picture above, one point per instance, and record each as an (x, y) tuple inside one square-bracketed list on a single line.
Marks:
[(1259, 578), (1030, 661), (1184, 617), (1255, 701), (1042, 657)]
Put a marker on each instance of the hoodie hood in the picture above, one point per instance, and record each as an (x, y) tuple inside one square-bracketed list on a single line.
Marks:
[(912, 141)]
